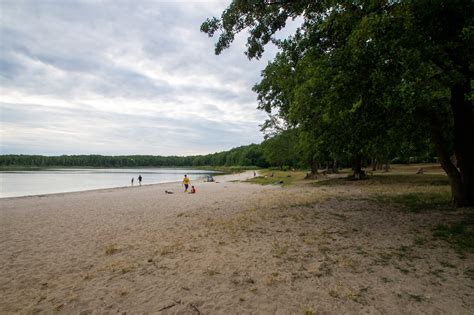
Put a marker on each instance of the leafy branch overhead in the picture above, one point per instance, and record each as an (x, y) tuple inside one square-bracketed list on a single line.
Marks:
[(261, 18), (363, 79)]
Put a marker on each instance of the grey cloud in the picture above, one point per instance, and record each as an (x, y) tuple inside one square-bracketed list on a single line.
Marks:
[(63, 49), (117, 133)]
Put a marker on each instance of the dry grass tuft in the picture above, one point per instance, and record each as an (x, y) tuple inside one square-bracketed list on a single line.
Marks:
[(121, 266), (211, 272), (271, 280), (349, 263), (111, 249), (123, 291), (334, 292), (279, 250), (170, 249)]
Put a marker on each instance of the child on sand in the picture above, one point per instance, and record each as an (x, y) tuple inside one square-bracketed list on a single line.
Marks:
[(193, 190)]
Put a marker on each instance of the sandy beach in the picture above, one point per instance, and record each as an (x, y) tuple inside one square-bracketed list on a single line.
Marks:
[(233, 247)]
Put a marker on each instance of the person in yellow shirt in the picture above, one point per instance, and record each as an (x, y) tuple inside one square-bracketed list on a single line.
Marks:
[(186, 183)]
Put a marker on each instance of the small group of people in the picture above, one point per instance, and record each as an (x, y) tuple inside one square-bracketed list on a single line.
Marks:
[(139, 180), (209, 179), (186, 182)]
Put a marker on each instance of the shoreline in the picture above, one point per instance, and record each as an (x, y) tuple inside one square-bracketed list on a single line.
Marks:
[(85, 191), (121, 187)]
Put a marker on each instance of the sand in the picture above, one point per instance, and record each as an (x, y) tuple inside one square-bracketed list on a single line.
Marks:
[(232, 247)]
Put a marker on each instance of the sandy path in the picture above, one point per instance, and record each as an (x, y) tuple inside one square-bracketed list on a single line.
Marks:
[(231, 248)]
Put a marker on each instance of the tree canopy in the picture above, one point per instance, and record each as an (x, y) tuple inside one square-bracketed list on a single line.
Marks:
[(366, 78)]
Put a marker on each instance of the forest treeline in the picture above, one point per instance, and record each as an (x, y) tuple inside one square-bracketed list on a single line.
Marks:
[(281, 151), (250, 155)]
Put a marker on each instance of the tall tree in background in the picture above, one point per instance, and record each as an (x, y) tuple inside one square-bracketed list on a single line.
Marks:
[(281, 150), (368, 68)]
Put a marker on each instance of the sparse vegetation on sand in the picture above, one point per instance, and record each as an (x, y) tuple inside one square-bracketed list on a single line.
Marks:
[(390, 242), (272, 177)]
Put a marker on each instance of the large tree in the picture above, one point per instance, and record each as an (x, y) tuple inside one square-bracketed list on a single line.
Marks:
[(383, 63)]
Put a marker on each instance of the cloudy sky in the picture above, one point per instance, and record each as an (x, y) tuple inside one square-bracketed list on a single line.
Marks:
[(122, 77)]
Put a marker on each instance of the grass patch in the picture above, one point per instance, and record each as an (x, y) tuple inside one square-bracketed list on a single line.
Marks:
[(446, 264), (283, 178), (419, 201), (390, 179), (414, 193), (170, 249), (383, 259), (469, 273), (416, 297), (419, 241), (459, 233)]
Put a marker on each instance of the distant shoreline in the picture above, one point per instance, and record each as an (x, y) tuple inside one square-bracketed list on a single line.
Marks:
[(89, 191), (165, 185), (221, 169), (31, 168)]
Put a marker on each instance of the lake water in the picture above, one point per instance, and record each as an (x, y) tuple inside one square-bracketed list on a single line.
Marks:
[(50, 181)]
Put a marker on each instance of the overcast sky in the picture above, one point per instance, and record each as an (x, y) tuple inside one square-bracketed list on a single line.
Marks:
[(122, 77)]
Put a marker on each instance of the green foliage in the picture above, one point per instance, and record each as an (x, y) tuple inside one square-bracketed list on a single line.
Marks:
[(365, 78), (459, 233), (250, 155), (419, 201), (280, 149)]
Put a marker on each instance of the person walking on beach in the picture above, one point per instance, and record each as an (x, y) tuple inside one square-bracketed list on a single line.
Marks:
[(133, 179), (140, 179), (186, 183)]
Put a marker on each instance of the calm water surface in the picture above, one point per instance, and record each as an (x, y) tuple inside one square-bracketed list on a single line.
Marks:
[(25, 183)]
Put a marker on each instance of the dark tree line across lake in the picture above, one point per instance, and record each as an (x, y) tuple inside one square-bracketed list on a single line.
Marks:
[(280, 152), (245, 155)]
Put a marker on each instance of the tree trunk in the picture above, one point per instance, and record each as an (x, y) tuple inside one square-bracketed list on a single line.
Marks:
[(374, 164), (458, 192), (386, 166), (379, 166), (313, 166), (357, 167), (334, 167), (464, 141)]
